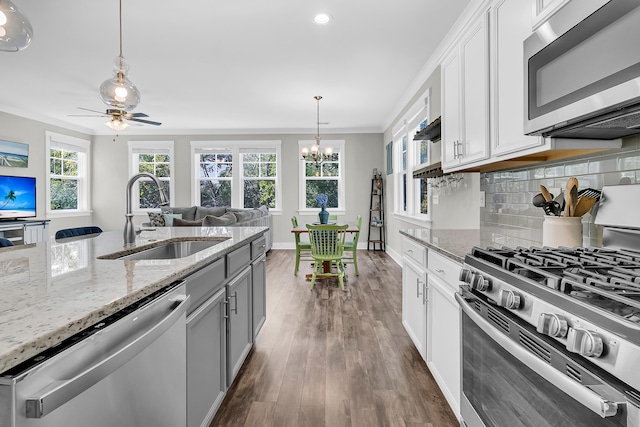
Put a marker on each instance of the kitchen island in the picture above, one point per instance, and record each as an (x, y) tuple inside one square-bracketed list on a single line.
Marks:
[(51, 291)]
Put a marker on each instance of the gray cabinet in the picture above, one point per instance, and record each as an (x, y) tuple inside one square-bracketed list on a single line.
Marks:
[(259, 291), (206, 359), (239, 326), (227, 311)]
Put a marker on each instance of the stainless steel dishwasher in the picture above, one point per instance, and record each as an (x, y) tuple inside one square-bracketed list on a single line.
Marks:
[(129, 370)]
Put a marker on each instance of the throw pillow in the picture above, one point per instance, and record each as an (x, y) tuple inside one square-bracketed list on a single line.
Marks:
[(263, 210), (243, 216), (168, 219), (202, 211), (156, 219), (213, 221), (187, 213), (177, 222)]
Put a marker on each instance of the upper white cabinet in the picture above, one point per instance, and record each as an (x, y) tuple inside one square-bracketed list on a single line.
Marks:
[(543, 10), (465, 98), (510, 25)]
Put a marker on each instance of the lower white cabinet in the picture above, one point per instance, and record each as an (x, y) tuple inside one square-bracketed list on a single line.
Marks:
[(443, 340), (206, 359), (414, 303)]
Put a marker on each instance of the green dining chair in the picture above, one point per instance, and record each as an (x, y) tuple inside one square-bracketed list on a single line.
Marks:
[(350, 256), (327, 245), (303, 249)]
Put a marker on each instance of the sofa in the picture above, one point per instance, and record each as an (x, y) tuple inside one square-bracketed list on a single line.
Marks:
[(202, 216)]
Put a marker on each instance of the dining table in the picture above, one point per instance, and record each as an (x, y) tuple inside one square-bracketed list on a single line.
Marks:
[(326, 267)]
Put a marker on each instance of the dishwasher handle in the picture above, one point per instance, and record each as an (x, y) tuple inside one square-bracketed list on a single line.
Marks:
[(50, 398)]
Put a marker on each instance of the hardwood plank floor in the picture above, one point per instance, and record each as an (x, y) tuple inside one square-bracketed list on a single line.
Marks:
[(328, 357)]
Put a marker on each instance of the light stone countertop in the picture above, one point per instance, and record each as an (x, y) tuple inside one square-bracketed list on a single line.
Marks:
[(50, 291)]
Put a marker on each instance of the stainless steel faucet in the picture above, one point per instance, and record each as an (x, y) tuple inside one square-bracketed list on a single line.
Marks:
[(129, 230)]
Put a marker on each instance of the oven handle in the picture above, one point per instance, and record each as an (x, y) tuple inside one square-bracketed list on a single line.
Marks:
[(593, 401)]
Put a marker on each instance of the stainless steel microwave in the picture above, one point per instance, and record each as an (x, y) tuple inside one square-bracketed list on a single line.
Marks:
[(582, 72)]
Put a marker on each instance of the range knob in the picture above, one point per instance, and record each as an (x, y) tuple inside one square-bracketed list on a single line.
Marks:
[(553, 325), (584, 342), (480, 283), (509, 299), (465, 275)]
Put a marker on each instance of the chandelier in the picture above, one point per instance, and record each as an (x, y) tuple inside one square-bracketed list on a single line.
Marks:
[(313, 154)]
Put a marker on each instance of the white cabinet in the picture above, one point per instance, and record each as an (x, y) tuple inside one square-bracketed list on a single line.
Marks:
[(543, 10), (414, 294), (510, 21), (465, 98), (443, 333), (25, 232)]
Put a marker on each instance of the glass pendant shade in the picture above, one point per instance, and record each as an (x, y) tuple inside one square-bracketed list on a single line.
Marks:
[(15, 29), (117, 124), (119, 92)]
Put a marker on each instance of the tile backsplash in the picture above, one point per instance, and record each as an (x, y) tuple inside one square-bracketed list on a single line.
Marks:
[(509, 213)]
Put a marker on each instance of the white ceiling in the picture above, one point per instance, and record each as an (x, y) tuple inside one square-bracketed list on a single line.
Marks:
[(207, 66)]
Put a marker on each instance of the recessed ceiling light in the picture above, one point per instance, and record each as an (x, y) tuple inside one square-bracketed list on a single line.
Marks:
[(322, 18)]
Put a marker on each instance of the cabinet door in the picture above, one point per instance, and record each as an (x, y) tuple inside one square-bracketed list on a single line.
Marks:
[(474, 63), (240, 332), (259, 293), (511, 27), (450, 75), (444, 340), (414, 304), (206, 360)]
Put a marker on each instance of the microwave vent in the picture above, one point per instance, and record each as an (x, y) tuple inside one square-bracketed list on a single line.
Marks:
[(627, 121)]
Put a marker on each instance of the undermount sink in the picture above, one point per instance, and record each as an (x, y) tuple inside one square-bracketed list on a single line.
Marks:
[(170, 250)]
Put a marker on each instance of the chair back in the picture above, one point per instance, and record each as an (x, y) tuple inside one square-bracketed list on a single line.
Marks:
[(358, 225), (294, 223), (78, 231), (327, 241), (5, 243)]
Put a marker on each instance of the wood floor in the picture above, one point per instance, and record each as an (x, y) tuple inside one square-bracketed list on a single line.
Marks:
[(328, 357)]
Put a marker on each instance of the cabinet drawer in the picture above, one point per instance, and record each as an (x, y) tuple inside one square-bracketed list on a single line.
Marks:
[(415, 251), (238, 259), (258, 247), (205, 282), (444, 268)]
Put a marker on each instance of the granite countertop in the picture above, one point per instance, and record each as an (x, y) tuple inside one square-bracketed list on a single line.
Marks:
[(50, 291), (454, 244)]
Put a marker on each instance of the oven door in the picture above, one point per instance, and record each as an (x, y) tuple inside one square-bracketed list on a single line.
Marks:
[(512, 376)]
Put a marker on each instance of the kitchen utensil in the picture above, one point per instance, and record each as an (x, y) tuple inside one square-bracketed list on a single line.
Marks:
[(570, 196), (550, 208), (547, 196), (538, 200), (589, 192), (584, 205)]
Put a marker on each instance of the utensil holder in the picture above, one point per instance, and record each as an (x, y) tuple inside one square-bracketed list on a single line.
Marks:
[(562, 231)]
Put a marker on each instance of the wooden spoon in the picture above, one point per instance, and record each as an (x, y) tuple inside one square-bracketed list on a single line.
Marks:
[(570, 196), (545, 193), (584, 205)]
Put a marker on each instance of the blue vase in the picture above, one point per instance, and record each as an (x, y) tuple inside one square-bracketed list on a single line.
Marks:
[(323, 216)]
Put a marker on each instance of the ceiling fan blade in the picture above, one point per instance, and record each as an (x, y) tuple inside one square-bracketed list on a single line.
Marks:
[(93, 111), (128, 115), (149, 122)]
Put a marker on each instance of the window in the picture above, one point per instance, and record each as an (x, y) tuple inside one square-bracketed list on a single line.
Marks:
[(412, 195), (327, 179), (156, 158), (67, 175), (256, 182)]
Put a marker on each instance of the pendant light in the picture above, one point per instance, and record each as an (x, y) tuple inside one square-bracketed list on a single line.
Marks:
[(15, 29), (313, 153), (118, 92)]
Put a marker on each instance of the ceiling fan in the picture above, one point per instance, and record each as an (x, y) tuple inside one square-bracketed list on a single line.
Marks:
[(120, 94)]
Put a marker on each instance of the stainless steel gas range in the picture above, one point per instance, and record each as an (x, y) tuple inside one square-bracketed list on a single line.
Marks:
[(551, 336)]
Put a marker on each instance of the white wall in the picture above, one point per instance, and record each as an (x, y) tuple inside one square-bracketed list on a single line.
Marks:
[(32, 132), (110, 170)]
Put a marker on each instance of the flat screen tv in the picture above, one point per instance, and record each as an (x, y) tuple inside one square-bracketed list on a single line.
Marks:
[(17, 197)]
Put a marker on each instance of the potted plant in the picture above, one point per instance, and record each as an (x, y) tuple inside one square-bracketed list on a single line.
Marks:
[(321, 200)]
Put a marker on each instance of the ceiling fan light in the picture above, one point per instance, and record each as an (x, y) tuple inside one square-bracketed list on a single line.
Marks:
[(120, 93), (15, 30), (117, 124)]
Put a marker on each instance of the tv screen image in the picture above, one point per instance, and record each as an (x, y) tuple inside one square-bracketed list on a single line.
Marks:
[(17, 197)]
